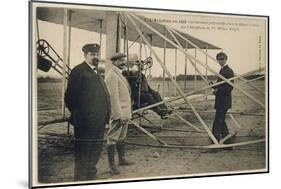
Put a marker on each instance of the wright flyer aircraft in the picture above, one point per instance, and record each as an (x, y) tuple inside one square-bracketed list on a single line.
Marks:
[(123, 29)]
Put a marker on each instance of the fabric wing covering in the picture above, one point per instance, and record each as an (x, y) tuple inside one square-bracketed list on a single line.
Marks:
[(90, 20)]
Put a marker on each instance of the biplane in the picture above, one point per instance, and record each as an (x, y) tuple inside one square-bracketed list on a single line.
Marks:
[(124, 27)]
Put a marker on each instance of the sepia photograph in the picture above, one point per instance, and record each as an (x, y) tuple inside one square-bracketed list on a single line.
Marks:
[(121, 94)]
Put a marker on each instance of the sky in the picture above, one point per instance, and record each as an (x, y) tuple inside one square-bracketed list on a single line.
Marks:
[(242, 38)]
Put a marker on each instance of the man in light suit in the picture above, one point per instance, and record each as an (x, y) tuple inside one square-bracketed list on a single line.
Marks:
[(121, 112), (223, 100)]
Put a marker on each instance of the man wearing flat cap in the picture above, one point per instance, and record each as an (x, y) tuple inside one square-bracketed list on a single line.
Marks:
[(223, 100), (121, 112), (88, 100)]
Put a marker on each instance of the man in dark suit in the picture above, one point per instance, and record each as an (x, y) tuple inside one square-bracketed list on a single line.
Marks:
[(148, 96), (88, 100), (223, 99)]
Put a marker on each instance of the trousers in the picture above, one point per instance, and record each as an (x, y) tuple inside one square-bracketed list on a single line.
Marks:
[(153, 97), (117, 132), (220, 129), (87, 154)]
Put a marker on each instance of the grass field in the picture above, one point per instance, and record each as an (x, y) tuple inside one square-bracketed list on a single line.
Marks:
[(56, 148)]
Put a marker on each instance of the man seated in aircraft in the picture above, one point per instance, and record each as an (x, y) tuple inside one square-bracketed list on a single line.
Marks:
[(148, 96)]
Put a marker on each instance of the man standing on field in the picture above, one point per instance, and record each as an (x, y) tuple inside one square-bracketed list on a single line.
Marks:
[(223, 100), (88, 100), (121, 108)]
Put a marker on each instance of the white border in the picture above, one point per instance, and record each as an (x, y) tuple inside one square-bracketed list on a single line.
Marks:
[(14, 93)]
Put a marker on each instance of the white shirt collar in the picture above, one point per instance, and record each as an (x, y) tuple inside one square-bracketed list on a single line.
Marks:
[(116, 68), (224, 65), (120, 71)]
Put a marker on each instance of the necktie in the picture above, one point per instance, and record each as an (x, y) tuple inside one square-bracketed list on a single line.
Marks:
[(95, 69)]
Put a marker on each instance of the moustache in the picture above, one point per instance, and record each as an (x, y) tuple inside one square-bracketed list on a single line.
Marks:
[(95, 60), (122, 64)]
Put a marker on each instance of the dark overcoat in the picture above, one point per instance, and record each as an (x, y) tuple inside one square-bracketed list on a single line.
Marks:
[(223, 93), (88, 100)]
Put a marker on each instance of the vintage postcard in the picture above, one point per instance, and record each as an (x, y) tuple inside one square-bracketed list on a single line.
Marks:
[(123, 94)]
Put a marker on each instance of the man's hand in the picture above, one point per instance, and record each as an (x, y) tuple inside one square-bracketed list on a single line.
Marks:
[(138, 81), (211, 83), (215, 92), (123, 121)]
